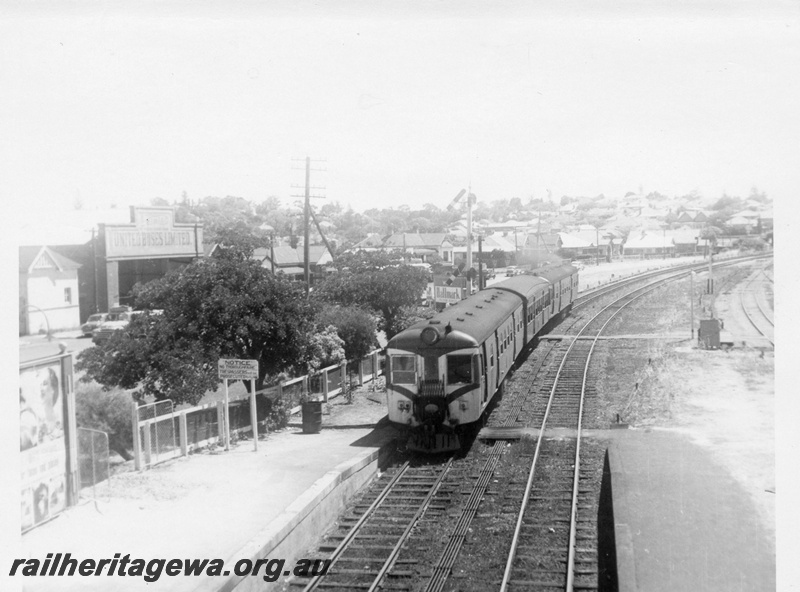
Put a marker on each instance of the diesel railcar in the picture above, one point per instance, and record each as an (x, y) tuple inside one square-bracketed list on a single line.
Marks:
[(443, 372)]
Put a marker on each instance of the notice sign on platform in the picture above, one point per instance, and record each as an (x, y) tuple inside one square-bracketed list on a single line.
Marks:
[(238, 369)]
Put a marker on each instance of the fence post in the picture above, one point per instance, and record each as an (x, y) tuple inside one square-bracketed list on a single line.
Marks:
[(343, 375), (305, 386), (137, 443), (184, 434), (325, 384), (148, 451), (221, 421), (361, 372), (375, 370)]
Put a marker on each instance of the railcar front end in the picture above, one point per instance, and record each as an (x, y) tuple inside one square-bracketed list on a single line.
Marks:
[(435, 384)]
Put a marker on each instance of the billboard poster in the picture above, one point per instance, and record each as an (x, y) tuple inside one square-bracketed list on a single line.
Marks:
[(449, 290), (42, 443)]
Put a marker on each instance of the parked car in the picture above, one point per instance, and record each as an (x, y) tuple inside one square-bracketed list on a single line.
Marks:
[(513, 270), (488, 272), (92, 323), (118, 318), (117, 321), (424, 267)]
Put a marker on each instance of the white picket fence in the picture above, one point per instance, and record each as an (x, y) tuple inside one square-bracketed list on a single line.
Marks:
[(161, 433)]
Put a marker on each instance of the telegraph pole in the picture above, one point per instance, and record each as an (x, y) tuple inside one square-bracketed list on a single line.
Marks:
[(481, 279), (306, 221), (306, 216), (470, 197)]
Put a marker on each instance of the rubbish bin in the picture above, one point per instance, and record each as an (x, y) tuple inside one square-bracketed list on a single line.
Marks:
[(708, 335), (312, 416)]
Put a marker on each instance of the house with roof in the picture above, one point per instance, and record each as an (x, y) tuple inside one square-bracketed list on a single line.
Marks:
[(48, 291), (290, 261), (607, 243), (686, 240), (542, 248), (648, 245), (489, 243), (692, 217), (741, 224), (373, 242), (578, 247), (421, 245)]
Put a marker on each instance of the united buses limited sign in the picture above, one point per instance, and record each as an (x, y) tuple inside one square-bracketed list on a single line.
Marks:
[(449, 293), (153, 233)]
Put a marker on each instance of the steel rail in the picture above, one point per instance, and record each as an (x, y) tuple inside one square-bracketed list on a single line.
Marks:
[(591, 295), (441, 570), (761, 310), (576, 477), (390, 561), (769, 319), (529, 484), (312, 585)]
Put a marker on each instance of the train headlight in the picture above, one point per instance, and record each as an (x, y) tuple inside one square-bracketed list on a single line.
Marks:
[(404, 406), (463, 405), (429, 336)]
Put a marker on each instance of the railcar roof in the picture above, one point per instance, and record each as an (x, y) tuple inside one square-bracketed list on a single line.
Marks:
[(471, 321), (524, 285), (556, 272)]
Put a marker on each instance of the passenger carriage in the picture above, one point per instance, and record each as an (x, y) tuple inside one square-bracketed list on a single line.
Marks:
[(442, 373)]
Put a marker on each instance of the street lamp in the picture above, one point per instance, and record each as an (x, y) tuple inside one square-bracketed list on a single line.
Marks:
[(46, 322)]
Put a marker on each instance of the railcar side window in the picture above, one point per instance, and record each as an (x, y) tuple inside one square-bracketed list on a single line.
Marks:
[(404, 370), (459, 369)]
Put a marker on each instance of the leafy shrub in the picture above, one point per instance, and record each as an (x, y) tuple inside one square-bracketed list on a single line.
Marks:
[(108, 411)]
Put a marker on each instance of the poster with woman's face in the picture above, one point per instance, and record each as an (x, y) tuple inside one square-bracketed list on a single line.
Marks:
[(42, 443)]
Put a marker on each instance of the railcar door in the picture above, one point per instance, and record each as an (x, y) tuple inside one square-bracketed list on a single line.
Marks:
[(480, 371), (490, 357)]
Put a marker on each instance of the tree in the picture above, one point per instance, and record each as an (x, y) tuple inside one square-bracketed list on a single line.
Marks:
[(365, 261), (225, 307), (108, 411), (325, 348), (354, 325), (239, 236), (385, 290)]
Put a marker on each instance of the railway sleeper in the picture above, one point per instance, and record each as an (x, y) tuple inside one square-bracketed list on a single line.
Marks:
[(361, 536), (365, 559), (538, 583), (356, 547)]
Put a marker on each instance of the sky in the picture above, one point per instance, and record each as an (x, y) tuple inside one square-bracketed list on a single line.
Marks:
[(396, 103)]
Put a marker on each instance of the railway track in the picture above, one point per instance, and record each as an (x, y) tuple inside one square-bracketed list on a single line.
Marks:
[(444, 564), (364, 551), (556, 519), (750, 298), (381, 542)]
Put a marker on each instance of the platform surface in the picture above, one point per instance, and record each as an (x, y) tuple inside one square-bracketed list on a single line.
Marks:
[(205, 506), (683, 523)]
